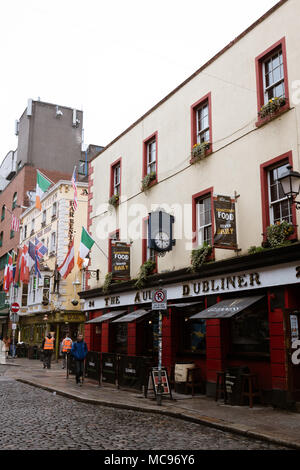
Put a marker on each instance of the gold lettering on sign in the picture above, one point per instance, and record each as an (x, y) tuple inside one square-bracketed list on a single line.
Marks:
[(71, 222)]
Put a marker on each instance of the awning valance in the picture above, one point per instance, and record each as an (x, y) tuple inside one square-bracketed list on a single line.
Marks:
[(136, 315), (107, 316), (186, 304), (226, 308)]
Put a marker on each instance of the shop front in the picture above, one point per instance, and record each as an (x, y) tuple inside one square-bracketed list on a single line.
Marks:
[(238, 313)]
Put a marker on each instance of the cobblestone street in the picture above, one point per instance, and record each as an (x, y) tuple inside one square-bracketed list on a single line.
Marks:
[(35, 419)]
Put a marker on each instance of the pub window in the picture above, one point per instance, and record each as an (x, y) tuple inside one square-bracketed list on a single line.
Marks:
[(121, 338), (280, 205), (194, 336), (250, 330), (204, 221), (24, 295)]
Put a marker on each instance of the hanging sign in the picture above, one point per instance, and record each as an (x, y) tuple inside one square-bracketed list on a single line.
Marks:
[(120, 260), (225, 236)]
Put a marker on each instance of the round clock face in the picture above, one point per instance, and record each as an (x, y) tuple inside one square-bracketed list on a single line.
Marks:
[(162, 241)]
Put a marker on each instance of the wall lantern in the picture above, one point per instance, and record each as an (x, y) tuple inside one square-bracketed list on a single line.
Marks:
[(290, 183)]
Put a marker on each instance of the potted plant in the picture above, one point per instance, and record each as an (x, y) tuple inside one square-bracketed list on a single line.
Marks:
[(199, 151), (145, 271), (107, 283), (199, 256), (114, 200), (147, 180), (272, 107)]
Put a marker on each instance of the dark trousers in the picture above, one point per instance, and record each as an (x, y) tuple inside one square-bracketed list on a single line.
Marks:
[(79, 368), (47, 358)]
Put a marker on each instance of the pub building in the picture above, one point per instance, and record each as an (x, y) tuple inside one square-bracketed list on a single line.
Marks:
[(238, 312)]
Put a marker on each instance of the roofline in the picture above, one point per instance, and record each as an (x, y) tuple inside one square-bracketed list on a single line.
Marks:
[(209, 62), (56, 185)]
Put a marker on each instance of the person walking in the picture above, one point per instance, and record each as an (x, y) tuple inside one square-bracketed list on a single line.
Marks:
[(48, 345), (79, 351), (6, 346), (66, 346)]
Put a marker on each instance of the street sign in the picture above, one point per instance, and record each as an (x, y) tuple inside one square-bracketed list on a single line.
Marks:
[(14, 326), (15, 307), (159, 299)]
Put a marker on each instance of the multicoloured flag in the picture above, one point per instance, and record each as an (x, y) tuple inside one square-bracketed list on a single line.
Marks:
[(41, 249), (15, 223), (32, 251), (75, 203), (26, 265), (66, 267), (42, 185), (86, 244), (8, 274)]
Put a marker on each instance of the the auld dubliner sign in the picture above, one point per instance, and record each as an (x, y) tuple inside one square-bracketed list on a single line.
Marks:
[(225, 284)]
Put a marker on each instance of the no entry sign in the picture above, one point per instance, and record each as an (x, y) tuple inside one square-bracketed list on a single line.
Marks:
[(15, 307), (159, 299)]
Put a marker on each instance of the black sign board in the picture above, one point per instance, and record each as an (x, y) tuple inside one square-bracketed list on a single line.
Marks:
[(120, 260), (154, 379), (225, 236), (93, 365)]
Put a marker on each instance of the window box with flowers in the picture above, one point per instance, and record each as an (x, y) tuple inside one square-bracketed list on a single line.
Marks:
[(114, 200), (279, 234), (199, 152), (199, 256), (148, 180), (272, 109)]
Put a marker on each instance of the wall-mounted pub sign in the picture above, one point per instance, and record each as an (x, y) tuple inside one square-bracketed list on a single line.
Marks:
[(225, 235), (120, 260)]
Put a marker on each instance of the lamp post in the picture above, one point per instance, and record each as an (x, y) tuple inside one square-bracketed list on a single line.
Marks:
[(290, 184), (46, 320)]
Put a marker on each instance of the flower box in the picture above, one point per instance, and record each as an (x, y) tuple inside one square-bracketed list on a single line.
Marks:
[(148, 180), (199, 151)]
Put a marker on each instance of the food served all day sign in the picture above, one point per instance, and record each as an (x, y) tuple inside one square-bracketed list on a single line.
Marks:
[(120, 260), (225, 236)]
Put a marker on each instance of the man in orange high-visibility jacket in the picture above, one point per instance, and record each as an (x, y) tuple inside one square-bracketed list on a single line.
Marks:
[(48, 345), (66, 346)]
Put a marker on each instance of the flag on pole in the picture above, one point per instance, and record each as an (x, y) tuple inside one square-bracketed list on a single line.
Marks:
[(25, 265), (86, 244), (40, 248), (75, 204), (18, 266), (42, 185), (35, 259), (66, 267), (15, 223), (8, 274)]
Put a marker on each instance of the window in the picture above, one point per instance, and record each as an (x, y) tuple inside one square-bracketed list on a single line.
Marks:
[(112, 236), (204, 224), (275, 206), (115, 178), (201, 129), (53, 242), (54, 210), (3, 212), (280, 205), (14, 202), (272, 76), (44, 216), (32, 227), (12, 234), (147, 253), (150, 157), (1, 238), (25, 232)]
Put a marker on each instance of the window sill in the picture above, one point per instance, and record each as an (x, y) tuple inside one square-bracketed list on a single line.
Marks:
[(262, 121)]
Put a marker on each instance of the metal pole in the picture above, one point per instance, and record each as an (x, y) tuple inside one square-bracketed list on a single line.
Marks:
[(159, 385)]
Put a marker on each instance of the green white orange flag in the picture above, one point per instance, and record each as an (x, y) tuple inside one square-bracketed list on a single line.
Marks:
[(42, 185), (86, 244), (66, 267)]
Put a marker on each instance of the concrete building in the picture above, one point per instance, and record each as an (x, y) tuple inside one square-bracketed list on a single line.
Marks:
[(213, 148)]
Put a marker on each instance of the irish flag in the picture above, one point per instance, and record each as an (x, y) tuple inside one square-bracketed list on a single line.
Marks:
[(86, 244), (42, 185), (68, 263)]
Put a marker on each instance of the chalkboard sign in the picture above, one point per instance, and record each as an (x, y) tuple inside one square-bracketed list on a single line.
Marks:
[(153, 381)]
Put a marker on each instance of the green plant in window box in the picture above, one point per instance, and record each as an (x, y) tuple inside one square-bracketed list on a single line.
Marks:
[(107, 283), (199, 151), (199, 256), (145, 271), (114, 200), (147, 180), (271, 107), (278, 234)]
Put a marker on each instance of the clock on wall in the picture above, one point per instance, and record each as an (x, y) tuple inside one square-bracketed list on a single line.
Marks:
[(160, 230)]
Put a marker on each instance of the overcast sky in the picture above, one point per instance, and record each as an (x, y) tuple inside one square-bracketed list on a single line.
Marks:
[(112, 59)]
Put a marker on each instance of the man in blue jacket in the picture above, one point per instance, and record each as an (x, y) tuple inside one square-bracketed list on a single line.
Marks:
[(79, 351)]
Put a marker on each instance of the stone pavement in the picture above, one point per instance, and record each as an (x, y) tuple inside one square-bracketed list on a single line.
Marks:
[(260, 422)]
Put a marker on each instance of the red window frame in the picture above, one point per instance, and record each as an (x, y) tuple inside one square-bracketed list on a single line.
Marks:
[(259, 60), (286, 158), (195, 198), (145, 147), (194, 109), (112, 168), (144, 242), (112, 236)]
